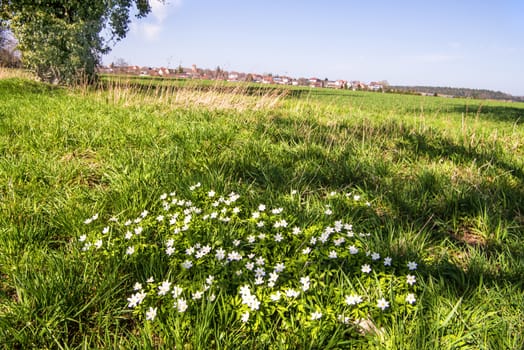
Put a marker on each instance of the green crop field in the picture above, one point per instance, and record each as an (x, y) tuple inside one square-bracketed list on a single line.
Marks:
[(144, 214)]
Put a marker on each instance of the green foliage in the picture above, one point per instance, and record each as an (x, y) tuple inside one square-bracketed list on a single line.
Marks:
[(62, 41)]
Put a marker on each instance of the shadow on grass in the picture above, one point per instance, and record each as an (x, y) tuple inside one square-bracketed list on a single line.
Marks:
[(467, 277), (497, 113), (315, 159), (17, 86), (419, 143)]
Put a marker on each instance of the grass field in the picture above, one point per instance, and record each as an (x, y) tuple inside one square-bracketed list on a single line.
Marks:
[(325, 218)]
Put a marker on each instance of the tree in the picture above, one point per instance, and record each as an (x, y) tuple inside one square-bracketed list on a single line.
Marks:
[(385, 85), (120, 62), (9, 56), (62, 40), (2, 35), (303, 82)]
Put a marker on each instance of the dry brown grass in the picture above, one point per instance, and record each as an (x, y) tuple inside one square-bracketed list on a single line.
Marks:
[(216, 97), (6, 73)]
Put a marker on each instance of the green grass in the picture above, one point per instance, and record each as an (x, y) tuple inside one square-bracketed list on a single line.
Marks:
[(444, 179)]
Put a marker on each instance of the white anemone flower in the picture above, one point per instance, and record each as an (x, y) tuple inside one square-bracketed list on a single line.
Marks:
[(151, 313), (412, 265), (365, 268), (410, 298), (317, 315), (187, 264), (411, 280), (164, 288), (181, 305), (382, 304)]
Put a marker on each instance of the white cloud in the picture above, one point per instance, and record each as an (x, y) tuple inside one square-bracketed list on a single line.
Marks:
[(151, 27), (159, 10), (151, 31)]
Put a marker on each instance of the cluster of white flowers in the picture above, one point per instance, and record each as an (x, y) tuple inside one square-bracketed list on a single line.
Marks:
[(179, 302), (316, 315), (305, 282), (258, 271), (249, 299), (353, 299), (91, 219), (136, 298), (291, 293), (280, 223), (234, 256)]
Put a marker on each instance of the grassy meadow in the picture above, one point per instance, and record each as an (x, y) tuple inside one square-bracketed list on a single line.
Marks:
[(204, 216)]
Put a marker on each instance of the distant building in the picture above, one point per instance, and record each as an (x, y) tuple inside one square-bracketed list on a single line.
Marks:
[(233, 76), (163, 72), (315, 82), (374, 86), (357, 85), (337, 84), (267, 79)]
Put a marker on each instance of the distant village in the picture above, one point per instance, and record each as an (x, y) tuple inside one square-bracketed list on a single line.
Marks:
[(218, 74)]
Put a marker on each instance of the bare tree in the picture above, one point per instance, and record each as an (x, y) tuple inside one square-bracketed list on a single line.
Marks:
[(9, 56), (120, 62)]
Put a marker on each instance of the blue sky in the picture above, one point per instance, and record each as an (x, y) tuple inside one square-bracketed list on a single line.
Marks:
[(458, 43)]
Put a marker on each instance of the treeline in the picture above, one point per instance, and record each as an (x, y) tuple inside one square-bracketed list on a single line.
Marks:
[(456, 92)]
